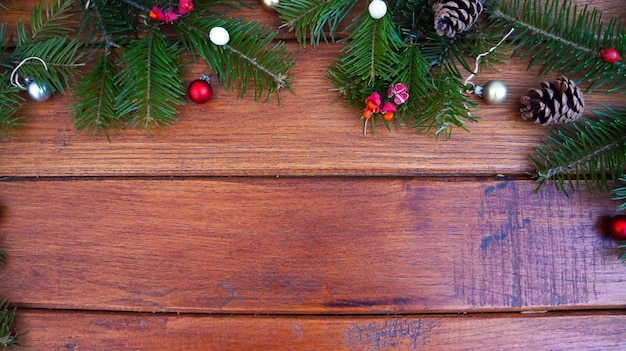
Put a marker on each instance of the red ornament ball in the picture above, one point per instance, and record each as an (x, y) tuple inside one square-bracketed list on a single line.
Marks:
[(609, 55), (616, 226), (200, 90)]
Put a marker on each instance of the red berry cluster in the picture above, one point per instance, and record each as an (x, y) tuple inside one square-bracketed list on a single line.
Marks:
[(170, 15), (399, 93)]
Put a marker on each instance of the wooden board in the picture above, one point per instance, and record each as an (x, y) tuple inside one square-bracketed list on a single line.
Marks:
[(263, 227), (326, 245), (107, 331)]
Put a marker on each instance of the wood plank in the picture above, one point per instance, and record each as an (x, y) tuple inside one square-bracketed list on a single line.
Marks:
[(291, 245), (311, 133), (116, 331)]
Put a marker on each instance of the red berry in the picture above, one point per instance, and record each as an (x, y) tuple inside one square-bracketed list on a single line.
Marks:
[(199, 91), (388, 116), (617, 227), (367, 114), (609, 55), (153, 16), (371, 105)]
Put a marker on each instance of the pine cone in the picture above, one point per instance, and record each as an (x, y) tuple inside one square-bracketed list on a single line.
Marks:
[(555, 103), (455, 16)]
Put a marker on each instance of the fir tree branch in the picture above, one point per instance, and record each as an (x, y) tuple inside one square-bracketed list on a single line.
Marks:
[(309, 17), (7, 316), (62, 57), (279, 78), (446, 108), (95, 109), (559, 36), (10, 102), (136, 5), (250, 55), (48, 20), (619, 194), (150, 81), (108, 39), (589, 151)]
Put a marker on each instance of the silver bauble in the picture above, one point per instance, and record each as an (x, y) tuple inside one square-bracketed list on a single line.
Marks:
[(270, 5), (38, 91), (494, 92)]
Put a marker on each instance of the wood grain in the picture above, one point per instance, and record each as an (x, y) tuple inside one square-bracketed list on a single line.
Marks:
[(255, 226), (108, 331), (327, 245), (310, 133)]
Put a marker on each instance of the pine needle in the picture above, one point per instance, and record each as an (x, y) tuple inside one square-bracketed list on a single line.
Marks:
[(589, 152), (7, 316), (150, 82)]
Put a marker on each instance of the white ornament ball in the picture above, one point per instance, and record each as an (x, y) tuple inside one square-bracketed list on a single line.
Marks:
[(377, 9), (494, 92), (38, 92), (270, 5), (219, 36)]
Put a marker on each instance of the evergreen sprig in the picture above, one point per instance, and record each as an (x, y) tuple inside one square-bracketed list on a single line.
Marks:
[(136, 76), (48, 20), (558, 35), (619, 193), (7, 337), (314, 20), (589, 152), (252, 55), (10, 103), (150, 81), (95, 110)]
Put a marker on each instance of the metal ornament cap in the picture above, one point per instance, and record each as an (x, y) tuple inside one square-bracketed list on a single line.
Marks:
[(494, 92)]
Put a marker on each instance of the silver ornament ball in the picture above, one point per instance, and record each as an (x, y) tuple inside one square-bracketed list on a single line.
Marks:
[(38, 91), (270, 5), (494, 92)]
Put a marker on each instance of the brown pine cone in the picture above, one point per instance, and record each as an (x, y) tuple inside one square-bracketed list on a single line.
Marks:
[(555, 103), (455, 16)]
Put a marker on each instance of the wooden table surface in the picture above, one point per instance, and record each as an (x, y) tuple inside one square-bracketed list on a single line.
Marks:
[(254, 226)]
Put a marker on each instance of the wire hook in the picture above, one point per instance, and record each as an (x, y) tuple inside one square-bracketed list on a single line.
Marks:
[(15, 78), (467, 82)]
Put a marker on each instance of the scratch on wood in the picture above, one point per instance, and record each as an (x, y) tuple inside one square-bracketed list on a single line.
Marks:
[(367, 303), (522, 256), (487, 240), (397, 334), (233, 293)]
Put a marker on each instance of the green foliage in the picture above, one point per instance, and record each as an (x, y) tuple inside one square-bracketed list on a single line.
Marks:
[(590, 152), (48, 20), (619, 194), (370, 56), (150, 82), (95, 110), (314, 19), (622, 255), (447, 107), (10, 102), (136, 76), (558, 35), (7, 337)]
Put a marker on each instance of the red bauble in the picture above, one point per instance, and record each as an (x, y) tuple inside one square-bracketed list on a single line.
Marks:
[(609, 55), (616, 226), (200, 90)]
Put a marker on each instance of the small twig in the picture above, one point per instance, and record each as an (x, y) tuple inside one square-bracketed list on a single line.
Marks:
[(136, 5)]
